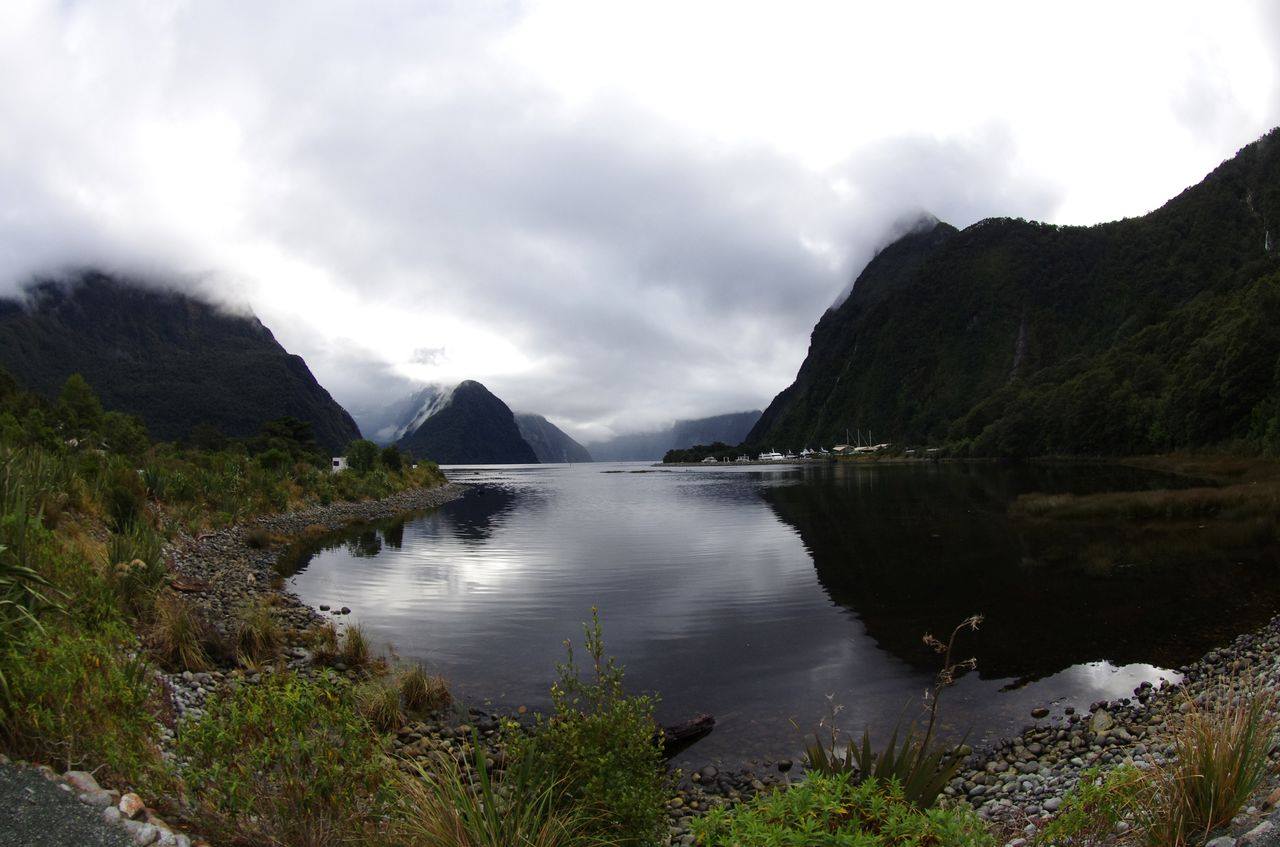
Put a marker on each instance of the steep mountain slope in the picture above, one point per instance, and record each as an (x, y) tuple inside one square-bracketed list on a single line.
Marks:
[(550, 443), (168, 358), (388, 424), (730, 428), (466, 425), (1020, 338)]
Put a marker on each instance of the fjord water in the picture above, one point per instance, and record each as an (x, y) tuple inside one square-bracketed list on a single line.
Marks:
[(764, 595)]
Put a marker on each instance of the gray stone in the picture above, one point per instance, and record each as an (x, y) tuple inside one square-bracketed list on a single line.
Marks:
[(1101, 721), (1264, 834), (141, 833), (97, 798), (82, 781), (1222, 841)]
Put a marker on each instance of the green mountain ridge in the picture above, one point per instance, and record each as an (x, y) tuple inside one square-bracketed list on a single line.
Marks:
[(1015, 338), (171, 359), (550, 443)]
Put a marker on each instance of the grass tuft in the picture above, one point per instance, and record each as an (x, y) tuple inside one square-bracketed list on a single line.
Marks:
[(179, 635), (355, 648), (258, 636), (1221, 758), (423, 692), (379, 704)]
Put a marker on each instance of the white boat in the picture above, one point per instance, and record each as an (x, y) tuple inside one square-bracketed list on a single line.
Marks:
[(771, 456)]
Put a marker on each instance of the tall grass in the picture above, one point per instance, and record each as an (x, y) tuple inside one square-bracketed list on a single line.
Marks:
[(423, 692), (1221, 758), (258, 637), (446, 807), (178, 636)]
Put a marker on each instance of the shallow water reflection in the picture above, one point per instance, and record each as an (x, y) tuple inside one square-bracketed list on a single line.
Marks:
[(754, 593)]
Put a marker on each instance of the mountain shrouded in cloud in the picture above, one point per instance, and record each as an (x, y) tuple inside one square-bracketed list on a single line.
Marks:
[(1016, 338), (172, 360), (412, 195)]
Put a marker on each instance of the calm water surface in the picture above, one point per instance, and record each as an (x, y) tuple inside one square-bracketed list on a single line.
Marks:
[(758, 593)]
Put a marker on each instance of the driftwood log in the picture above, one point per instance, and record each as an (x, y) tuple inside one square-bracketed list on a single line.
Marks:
[(680, 736)]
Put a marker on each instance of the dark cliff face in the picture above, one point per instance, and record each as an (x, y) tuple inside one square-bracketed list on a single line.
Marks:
[(550, 443), (171, 359), (473, 427), (1019, 338)]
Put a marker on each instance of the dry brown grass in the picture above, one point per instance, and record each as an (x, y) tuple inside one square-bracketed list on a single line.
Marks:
[(258, 636), (179, 635), (1222, 756), (355, 648), (423, 692)]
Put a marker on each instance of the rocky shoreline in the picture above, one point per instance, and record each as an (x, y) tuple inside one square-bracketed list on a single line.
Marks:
[(1018, 784)]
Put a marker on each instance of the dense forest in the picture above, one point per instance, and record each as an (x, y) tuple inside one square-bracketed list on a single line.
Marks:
[(172, 360), (1015, 338)]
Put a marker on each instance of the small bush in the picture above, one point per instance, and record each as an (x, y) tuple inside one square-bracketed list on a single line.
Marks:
[(380, 705), (355, 648), (79, 699), (603, 745), (288, 761), (447, 808), (178, 636), (835, 811), (258, 637), (257, 538), (423, 692), (1092, 810)]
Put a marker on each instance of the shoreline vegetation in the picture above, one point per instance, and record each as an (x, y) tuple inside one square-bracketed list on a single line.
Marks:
[(149, 646)]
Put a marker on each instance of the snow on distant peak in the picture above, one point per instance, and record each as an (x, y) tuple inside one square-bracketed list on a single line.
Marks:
[(426, 403)]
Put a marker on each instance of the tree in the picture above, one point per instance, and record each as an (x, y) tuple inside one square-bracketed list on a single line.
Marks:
[(79, 409), (362, 454), (392, 460), (123, 433)]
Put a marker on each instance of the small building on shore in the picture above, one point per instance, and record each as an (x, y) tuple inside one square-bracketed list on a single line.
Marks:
[(339, 464)]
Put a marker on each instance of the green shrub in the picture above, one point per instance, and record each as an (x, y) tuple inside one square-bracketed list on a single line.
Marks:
[(288, 761), (78, 699), (603, 745), (834, 811), (362, 455), (1092, 810), (446, 808), (910, 759)]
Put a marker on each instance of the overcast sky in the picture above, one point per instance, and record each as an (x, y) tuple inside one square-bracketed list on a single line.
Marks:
[(612, 214)]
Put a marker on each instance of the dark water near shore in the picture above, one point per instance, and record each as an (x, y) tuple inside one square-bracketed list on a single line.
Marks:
[(754, 593)]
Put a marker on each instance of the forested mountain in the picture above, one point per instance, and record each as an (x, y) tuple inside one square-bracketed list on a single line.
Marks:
[(466, 425), (1017, 338), (550, 443), (171, 359), (729, 428)]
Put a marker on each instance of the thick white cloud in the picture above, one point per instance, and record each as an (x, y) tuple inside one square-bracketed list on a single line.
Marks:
[(613, 214)]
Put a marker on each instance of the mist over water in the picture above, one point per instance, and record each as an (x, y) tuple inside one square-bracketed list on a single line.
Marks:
[(756, 593)]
